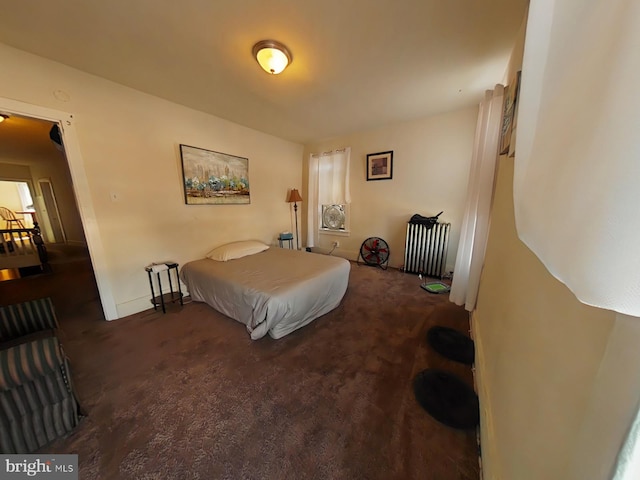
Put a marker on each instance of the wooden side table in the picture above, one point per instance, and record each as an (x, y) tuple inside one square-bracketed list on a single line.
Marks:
[(161, 299)]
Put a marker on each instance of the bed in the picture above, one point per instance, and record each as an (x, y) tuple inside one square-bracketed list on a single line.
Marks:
[(274, 291)]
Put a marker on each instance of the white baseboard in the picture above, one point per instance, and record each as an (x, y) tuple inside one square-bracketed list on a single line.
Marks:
[(337, 252), (134, 306), (141, 304)]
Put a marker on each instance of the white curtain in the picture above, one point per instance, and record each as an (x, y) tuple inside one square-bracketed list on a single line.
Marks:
[(475, 225), (577, 167), (328, 184)]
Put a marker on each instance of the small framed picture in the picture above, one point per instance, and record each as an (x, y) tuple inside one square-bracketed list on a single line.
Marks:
[(380, 166)]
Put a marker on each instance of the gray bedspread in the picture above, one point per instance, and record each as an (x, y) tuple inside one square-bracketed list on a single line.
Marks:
[(276, 291)]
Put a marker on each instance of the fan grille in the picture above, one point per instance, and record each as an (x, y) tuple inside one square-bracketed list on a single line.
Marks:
[(333, 217), (375, 251)]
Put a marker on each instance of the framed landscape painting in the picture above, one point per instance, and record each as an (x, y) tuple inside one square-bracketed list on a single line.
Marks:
[(380, 166), (509, 115), (214, 178)]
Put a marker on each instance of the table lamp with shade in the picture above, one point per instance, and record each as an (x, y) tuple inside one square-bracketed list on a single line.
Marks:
[(294, 197)]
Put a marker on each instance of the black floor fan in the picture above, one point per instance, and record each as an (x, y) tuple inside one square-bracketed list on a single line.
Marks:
[(374, 251)]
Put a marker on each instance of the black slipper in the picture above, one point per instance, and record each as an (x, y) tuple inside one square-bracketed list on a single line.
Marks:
[(452, 344), (447, 398)]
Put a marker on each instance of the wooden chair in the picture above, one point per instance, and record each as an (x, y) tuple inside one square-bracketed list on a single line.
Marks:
[(10, 219)]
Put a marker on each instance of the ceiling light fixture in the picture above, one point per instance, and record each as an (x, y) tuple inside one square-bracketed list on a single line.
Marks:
[(3, 117), (272, 56)]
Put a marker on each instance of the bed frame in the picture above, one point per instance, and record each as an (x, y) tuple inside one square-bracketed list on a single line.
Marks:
[(22, 247)]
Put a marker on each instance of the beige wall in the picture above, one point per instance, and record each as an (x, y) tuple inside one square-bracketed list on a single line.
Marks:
[(554, 376), (431, 159), (129, 142)]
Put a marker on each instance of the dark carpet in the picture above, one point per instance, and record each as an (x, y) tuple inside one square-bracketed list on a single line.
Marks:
[(188, 395)]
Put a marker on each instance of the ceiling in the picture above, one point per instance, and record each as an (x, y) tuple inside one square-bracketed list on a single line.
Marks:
[(21, 136), (357, 64)]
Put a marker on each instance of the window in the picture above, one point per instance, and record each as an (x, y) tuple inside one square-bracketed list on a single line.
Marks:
[(329, 196), (334, 217)]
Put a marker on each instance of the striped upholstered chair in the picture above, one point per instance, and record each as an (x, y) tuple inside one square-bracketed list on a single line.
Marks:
[(37, 400), (27, 318)]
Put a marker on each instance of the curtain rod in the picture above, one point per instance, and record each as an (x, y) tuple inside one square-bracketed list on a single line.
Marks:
[(329, 152)]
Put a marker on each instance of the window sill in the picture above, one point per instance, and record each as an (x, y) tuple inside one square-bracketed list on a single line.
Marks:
[(339, 233)]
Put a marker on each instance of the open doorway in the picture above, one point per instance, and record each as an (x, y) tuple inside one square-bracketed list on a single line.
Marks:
[(36, 182), (36, 187), (16, 196), (77, 195), (53, 211)]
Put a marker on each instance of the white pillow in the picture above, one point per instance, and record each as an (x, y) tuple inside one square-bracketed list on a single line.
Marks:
[(236, 250)]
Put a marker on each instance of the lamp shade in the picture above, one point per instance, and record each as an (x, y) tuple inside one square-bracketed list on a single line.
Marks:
[(294, 196), (272, 56)]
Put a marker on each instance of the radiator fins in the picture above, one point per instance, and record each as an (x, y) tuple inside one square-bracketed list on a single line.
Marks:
[(425, 250)]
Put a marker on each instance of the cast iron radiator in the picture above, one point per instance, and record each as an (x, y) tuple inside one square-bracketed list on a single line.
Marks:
[(425, 249)]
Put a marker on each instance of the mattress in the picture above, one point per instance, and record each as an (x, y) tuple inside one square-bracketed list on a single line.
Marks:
[(276, 291)]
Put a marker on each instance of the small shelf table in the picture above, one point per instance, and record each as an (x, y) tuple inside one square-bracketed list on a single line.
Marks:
[(162, 299), (285, 237)]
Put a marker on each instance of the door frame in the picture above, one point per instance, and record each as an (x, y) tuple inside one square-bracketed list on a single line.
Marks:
[(49, 209), (81, 190)]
